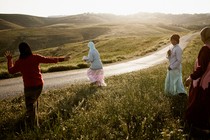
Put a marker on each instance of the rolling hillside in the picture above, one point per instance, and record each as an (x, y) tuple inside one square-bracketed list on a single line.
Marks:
[(34, 21), (23, 20), (41, 38), (50, 32), (8, 25), (88, 18)]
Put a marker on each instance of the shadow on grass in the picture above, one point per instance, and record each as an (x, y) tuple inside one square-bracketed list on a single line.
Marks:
[(65, 107), (10, 124), (12, 127), (178, 106), (16, 126)]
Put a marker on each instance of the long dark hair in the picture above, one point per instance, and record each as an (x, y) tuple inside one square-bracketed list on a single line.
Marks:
[(24, 50)]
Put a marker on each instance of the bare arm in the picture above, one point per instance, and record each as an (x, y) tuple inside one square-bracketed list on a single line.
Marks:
[(10, 66), (43, 59)]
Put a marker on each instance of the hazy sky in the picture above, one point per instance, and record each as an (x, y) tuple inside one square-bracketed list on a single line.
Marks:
[(118, 7)]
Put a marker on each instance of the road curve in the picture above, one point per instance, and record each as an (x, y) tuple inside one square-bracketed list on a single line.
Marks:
[(14, 87)]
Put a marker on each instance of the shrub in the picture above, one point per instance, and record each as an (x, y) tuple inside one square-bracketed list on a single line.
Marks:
[(5, 75), (61, 68), (82, 65)]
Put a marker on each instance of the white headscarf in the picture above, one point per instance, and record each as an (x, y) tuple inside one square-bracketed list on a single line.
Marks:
[(91, 45)]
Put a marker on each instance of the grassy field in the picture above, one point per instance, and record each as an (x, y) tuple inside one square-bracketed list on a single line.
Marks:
[(115, 42), (132, 106)]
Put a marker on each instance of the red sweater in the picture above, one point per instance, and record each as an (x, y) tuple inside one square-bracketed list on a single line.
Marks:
[(30, 70), (203, 61)]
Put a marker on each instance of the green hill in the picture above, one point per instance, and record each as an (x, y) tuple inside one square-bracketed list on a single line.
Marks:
[(136, 35), (187, 19), (89, 18), (48, 32), (23, 20), (8, 25), (34, 21), (46, 37)]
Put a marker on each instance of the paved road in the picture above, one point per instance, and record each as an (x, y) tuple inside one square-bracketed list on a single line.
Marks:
[(14, 87)]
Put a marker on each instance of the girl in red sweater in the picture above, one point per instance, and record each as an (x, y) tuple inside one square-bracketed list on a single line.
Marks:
[(28, 66)]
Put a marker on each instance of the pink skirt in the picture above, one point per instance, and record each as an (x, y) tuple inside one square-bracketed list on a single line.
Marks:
[(96, 76)]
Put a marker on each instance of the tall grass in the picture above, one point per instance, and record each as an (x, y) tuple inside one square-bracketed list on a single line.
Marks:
[(132, 106)]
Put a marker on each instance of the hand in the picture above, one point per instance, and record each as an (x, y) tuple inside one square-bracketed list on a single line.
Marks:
[(8, 55), (84, 58), (169, 52), (169, 68), (188, 81), (66, 58)]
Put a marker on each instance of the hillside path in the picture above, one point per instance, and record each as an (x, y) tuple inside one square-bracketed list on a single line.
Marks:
[(10, 88)]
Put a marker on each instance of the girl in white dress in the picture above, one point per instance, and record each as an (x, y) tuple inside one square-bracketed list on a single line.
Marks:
[(173, 81)]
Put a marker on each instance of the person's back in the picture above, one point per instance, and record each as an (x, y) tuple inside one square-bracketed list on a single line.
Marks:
[(96, 60), (28, 66), (30, 70), (95, 73)]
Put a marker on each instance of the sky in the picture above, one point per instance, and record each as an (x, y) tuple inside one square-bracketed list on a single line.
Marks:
[(46, 8)]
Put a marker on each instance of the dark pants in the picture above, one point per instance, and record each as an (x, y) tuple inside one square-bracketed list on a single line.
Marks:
[(31, 101)]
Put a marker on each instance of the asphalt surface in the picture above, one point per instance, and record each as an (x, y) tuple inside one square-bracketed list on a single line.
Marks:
[(10, 88)]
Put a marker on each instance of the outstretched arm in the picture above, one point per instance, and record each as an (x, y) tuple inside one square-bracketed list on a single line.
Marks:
[(43, 59)]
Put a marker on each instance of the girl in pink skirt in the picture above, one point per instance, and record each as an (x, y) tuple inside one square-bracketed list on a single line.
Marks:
[(95, 73)]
